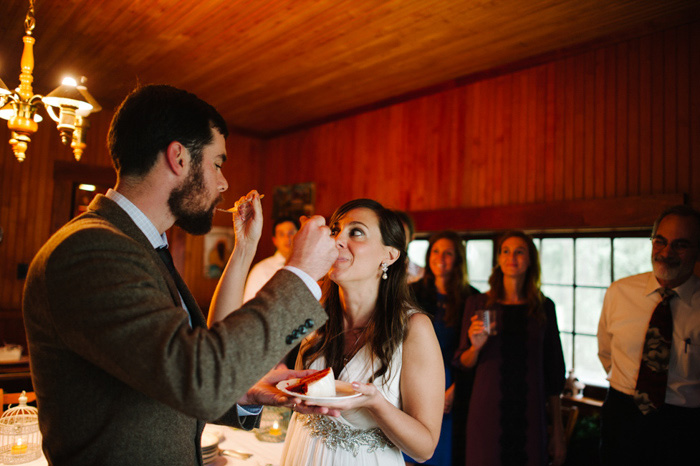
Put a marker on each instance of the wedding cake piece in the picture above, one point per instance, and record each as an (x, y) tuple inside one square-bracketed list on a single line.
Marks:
[(318, 384)]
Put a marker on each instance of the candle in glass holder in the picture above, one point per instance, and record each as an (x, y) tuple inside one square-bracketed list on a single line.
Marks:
[(275, 429), (19, 448)]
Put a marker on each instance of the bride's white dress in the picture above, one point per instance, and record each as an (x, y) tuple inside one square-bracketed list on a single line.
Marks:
[(354, 437)]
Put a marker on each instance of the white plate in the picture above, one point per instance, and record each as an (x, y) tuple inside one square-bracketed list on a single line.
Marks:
[(209, 440), (343, 390)]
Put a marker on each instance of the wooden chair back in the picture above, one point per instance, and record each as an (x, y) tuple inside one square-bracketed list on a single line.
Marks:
[(569, 417)]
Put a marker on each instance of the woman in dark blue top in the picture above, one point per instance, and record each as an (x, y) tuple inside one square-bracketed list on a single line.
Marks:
[(441, 293)]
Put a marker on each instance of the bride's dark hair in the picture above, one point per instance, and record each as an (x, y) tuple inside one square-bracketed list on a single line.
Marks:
[(386, 327)]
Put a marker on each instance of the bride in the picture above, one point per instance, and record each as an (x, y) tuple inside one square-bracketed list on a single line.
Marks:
[(375, 339)]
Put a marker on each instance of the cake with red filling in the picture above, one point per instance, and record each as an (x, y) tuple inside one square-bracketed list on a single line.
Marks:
[(318, 384)]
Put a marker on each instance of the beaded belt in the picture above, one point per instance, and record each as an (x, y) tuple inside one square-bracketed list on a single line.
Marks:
[(335, 434)]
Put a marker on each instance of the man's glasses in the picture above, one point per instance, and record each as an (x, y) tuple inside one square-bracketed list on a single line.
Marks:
[(678, 246)]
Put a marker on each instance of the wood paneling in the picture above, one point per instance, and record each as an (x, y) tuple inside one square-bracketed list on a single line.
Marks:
[(26, 197), (525, 141), (273, 65), (585, 215), (618, 121)]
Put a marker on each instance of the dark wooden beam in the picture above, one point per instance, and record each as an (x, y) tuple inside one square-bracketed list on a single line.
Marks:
[(622, 213)]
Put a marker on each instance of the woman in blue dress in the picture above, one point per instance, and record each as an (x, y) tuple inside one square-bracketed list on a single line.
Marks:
[(441, 293)]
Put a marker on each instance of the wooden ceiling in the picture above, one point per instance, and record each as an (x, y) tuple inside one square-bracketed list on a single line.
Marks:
[(272, 65)]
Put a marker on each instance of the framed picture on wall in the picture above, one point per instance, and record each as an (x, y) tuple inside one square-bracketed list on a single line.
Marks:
[(294, 200), (218, 245)]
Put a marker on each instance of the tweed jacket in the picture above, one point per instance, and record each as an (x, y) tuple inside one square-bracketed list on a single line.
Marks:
[(120, 376)]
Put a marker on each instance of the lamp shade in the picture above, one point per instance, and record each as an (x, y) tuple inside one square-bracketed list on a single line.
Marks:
[(67, 95), (7, 112), (96, 107)]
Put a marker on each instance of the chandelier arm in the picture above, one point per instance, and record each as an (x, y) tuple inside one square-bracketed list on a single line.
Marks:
[(49, 110)]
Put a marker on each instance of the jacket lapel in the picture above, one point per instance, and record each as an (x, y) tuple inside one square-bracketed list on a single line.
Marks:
[(110, 210)]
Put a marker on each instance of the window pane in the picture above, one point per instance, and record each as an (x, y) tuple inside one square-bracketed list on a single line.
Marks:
[(416, 251), (631, 256), (593, 261), (479, 259), (567, 348), (557, 260), (563, 297), (589, 302), (588, 368)]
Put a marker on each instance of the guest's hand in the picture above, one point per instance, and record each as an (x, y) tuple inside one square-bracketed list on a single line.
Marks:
[(313, 248), (265, 392), (248, 220), (477, 333)]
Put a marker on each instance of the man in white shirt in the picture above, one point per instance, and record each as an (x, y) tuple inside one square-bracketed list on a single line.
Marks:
[(283, 231), (667, 434)]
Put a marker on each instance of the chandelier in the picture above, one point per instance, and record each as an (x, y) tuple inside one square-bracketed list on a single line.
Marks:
[(71, 100)]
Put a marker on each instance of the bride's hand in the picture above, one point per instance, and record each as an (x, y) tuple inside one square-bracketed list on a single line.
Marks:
[(370, 396), (247, 219)]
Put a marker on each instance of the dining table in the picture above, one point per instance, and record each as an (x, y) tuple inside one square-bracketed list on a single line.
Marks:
[(263, 453)]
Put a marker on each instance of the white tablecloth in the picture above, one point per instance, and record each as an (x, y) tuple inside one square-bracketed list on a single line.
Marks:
[(264, 453)]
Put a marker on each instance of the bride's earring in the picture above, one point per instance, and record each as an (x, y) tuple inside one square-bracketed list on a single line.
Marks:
[(385, 268)]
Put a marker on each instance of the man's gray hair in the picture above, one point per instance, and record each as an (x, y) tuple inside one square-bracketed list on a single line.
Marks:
[(680, 210)]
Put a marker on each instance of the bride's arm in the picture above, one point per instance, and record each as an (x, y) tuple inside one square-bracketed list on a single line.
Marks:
[(415, 429), (228, 295)]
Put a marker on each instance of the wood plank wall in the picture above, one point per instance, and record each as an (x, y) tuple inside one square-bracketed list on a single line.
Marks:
[(26, 196), (616, 121)]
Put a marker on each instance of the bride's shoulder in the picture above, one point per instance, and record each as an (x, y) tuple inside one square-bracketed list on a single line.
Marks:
[(418, 324), (420, 344)]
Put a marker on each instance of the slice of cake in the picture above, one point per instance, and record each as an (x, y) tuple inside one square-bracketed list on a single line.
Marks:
[(321, 383)]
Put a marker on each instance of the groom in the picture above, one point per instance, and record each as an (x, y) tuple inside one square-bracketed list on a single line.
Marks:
[(124, 368)]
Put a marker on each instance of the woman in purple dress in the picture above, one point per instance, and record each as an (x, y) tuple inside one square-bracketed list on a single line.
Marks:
[(518, 361)]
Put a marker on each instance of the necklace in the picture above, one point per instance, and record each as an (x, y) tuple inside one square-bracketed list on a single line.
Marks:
[(359, 336)]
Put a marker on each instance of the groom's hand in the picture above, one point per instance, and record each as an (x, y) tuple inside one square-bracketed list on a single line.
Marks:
[(313, 248), (265, 392)]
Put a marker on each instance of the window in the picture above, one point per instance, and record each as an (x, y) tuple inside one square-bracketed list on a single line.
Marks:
[(416, 251), (576, 272), (479, 262), (479, 259)]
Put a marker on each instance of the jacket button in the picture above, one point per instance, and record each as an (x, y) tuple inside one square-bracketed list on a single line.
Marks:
[(295, 334), (301, 329), (309, 323), (289, 340)]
